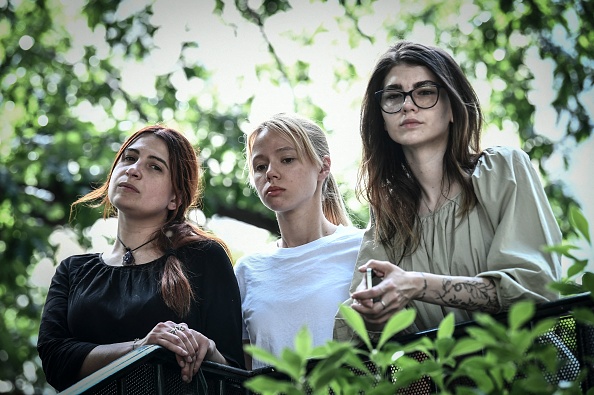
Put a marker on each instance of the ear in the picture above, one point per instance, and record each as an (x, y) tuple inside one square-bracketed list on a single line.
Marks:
[(172, 203), (325, 170)]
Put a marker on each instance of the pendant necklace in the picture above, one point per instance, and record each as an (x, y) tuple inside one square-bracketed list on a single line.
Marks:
[(128, 258)]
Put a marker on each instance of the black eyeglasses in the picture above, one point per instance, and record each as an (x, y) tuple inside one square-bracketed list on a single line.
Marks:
[(391, 101)]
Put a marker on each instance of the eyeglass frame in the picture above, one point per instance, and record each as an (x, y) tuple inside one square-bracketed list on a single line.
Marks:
[(378, 97)]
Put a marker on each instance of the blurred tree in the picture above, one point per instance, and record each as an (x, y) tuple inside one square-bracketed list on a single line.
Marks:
[(64, 112)]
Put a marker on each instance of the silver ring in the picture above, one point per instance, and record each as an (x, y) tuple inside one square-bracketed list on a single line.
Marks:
[(383, 304), (172, 330), (179, 328)]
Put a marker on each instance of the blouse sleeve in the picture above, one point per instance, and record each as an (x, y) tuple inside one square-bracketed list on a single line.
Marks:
[(222, 303), (61, 354), (510, 192)]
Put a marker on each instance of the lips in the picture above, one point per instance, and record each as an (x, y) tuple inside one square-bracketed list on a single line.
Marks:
[(128, 186), (410, 121), (273, 191)]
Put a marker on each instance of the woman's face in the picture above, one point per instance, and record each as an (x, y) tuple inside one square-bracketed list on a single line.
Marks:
[(140, 184), (414, 127), (283, 180)]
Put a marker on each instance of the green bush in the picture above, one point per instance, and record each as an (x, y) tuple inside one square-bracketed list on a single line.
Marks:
[(491, 357)]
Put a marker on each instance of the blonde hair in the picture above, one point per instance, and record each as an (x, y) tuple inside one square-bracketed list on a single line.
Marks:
[(311, 143)]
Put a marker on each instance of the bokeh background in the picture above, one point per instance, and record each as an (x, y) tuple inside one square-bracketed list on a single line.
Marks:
[(77, 77)]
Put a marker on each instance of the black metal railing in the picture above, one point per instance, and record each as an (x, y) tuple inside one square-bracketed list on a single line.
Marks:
[(153, 370)]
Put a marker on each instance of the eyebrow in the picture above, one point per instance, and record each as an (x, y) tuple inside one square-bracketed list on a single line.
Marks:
[(415, 85), (279, 150), (137, 152)]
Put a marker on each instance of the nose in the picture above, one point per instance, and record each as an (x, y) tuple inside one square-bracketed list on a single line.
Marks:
[(271, 173), (133, 171), (411, 103)]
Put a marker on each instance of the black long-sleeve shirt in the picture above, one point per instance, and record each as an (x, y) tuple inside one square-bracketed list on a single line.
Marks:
[(90, 303)]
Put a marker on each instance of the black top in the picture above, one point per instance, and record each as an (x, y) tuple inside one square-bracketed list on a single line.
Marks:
[(91, 303)]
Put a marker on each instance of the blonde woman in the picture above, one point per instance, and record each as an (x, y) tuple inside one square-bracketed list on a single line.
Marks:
[(305, 276)]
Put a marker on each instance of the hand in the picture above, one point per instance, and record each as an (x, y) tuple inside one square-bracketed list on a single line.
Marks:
[(190, 347), (397, 288)]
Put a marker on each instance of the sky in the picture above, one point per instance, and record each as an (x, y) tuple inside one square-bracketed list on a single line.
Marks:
[(230, 47)]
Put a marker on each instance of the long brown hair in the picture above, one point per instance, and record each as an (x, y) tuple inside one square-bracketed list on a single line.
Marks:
[(311, 143), (385, 179), (176, 232)]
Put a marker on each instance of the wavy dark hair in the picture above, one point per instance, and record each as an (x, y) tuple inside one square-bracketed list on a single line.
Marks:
[(385, 179), (176, 232)]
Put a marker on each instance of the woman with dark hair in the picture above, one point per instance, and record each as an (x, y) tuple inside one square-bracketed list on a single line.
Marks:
[(453, 228), (163, 280), (303, 278)]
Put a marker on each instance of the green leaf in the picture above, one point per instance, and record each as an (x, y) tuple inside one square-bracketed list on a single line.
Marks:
[(584, 314), (520, 313), (292, 364), (446, 327), (327, 369), (567, 288), (543, 326), (579, 222), (398, 322), (266, 385), (262, 355), (563, 249), (588, 282), (465, 346), (355, 321), (444, 346), (303, 343), (577, 268)]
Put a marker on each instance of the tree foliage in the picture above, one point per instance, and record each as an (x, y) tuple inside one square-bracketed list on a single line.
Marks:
[(64, 111)]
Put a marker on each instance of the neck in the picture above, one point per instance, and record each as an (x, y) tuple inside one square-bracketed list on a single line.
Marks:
[(427, 166), (305, 229)]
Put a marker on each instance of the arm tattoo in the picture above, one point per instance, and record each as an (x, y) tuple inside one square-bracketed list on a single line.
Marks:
[(424, 289), (470, 295)]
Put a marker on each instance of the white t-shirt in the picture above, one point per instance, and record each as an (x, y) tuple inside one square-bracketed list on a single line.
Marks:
[(288, 288)]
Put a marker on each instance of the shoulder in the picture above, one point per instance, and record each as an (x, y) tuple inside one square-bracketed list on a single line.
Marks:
[(207, 246), (349, 234), (206, 252), (75, 266), (74, 262), (503, 156), (503, 163)]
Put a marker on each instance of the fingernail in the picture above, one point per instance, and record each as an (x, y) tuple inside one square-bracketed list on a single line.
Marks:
[(182, 363), (189, 359), (185, 378)]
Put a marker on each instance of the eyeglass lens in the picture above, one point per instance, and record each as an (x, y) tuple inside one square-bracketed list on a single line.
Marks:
[(423, 97)]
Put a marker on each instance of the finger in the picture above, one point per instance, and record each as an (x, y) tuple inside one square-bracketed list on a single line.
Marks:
[(185, 341)]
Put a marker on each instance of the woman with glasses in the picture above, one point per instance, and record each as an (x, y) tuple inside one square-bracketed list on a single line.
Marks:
[(453, 228)]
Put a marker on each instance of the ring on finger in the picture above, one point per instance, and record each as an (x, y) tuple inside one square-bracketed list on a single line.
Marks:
[(383, 304), (179, 328), (173, 330)]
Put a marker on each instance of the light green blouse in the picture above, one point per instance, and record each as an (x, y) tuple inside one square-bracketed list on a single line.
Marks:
[(500, 238)]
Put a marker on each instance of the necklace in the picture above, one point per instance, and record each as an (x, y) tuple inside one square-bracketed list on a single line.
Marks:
[(128, 258)]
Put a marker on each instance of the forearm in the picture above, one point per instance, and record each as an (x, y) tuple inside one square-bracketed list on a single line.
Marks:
[(214, 354), (467, 293), (102, 355)]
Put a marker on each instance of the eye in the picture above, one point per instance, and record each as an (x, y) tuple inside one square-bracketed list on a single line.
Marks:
[(427, 91), (128, 158), (288, 160), (393, 96), (260, 168), (156, 167)]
